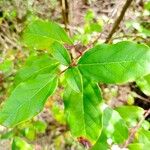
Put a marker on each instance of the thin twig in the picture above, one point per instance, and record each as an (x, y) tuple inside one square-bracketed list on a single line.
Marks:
[(64, 6), (112, 14), (99, 36), (118, 20), (142, 98), (135, 129), (128, 36)]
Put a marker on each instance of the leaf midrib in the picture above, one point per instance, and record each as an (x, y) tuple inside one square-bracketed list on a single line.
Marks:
[(107, 63)]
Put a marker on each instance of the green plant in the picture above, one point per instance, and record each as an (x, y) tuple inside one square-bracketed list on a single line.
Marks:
[(92, 25), (89, 119)]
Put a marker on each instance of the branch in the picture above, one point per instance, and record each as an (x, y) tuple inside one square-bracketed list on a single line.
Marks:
[(134, 130), (129, 36), (142, 98), (64, 7), (118, 20), (111, 15)]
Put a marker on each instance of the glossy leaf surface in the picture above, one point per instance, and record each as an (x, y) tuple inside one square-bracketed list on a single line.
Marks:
[(34, 66), (74, 79), (41, 34), (83, 111), (116, 63), (60, 53), (27, 100)]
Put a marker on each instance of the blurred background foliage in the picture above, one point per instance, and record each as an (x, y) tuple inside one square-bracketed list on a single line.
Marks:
[(85, 20)]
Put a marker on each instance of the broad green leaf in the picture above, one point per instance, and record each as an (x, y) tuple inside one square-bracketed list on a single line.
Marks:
[(74, 79), (34, 66), (131, 114), (114, 128), (27, 99), (83, 111), (41, 34), (144, 84), (60, 53), (116, 63)]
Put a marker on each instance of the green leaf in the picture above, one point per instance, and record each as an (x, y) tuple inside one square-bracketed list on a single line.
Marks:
[(41, 34), (93, 27), (83, 111), (34, 66), (116, 63), (131, 114), (74, 79), (60, 53), (114, 128), (144, 84), (141, 140), (143, 136), (27, 99)]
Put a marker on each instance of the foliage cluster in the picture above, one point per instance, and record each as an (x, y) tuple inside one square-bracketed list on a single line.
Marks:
[(90, 120)]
